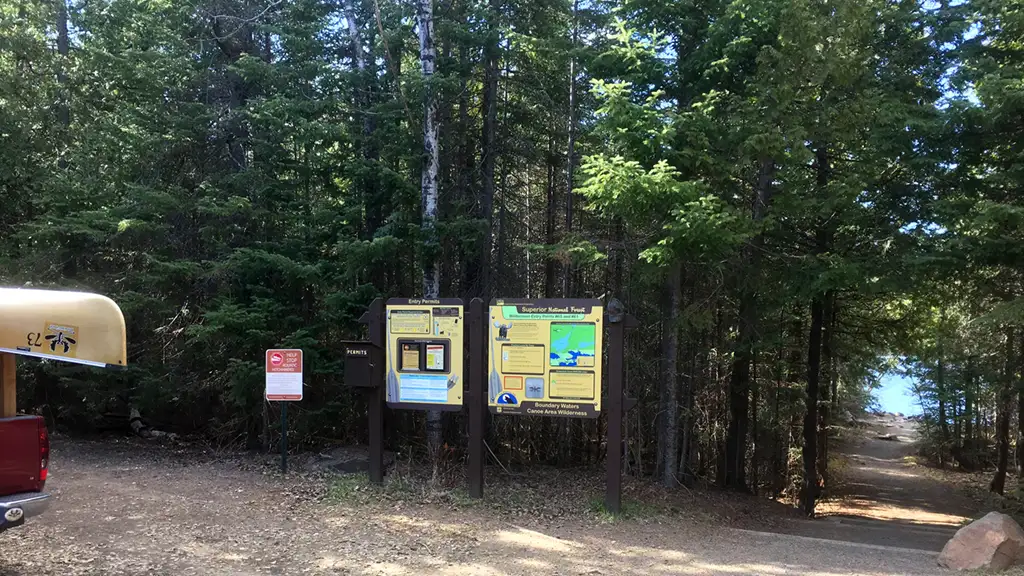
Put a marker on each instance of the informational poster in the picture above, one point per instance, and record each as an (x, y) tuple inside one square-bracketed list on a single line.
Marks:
[(284, 375), (545, 357), (424, 355)]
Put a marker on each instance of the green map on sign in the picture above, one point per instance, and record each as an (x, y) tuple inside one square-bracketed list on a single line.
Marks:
[(573, 345)]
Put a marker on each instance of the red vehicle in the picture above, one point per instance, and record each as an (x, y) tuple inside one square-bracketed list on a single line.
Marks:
[(64, 326), (23, 469)]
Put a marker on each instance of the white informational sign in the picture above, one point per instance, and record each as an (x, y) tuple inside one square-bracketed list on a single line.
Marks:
[(284, 375)]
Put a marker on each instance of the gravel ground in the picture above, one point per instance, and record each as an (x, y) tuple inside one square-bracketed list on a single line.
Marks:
[(126, 508)]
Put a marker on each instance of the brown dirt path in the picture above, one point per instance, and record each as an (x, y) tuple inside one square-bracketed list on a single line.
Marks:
[(125, 509), (882, 482), (884, 497)]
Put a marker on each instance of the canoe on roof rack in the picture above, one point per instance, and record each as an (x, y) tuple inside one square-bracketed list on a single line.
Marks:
[(67, 326)]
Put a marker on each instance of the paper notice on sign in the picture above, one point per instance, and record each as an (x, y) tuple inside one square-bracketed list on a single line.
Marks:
[(410, 357), (522, 358), (572, 385), (435, 357), (409, 322), (423, 388)]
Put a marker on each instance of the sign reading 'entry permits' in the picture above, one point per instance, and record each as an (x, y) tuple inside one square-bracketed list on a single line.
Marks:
[(284, 374), (423, 355)]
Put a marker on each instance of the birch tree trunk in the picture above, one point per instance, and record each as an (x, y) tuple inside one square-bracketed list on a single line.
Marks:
[(428, 185)]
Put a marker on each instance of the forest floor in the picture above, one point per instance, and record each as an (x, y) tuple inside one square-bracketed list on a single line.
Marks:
[(126, 507)]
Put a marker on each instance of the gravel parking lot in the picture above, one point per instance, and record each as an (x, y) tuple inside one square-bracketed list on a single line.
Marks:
[(126, 508)]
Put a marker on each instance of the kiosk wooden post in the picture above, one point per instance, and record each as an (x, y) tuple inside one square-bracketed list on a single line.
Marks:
[(8, 386), (375, 394), (618, 321), (476, 395)]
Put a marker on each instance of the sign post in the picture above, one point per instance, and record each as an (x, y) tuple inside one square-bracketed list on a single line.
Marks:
[(476, 395), (284, 384), (365, 369), (618, 321), (8, 385), (284, 438)]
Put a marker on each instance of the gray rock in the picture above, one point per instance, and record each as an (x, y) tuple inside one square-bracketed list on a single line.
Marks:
[(995, 542)]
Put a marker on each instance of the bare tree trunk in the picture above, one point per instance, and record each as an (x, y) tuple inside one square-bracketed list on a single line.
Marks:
[(969, 408), (549, 222), (739, 382), (428, 193), (366, 186), (63, 106), (824, 237), (957, 430), (755, 400), (571, 148), (466, 168), (940, 390), (669, 408), (809, 493), (827, 376), (489, 151), (1020, 421), (998, 483)]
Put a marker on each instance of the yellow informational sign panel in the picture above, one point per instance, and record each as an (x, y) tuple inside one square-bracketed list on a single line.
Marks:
[(68, 326), (424, 353), (545, 357)]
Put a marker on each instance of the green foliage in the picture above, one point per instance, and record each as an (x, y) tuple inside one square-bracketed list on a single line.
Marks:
[(232, 178)]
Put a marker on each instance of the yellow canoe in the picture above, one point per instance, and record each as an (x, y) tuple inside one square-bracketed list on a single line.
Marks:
[(67, 326)]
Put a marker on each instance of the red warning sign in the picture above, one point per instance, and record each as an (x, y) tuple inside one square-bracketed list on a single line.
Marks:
[(284, 375)]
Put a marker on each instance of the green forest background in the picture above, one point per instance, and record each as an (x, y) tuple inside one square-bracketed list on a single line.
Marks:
[(792, 197)]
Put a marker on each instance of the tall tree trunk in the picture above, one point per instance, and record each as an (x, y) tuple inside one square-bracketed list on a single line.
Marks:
[(1005, 398), (63, 106), (489, 152), (809, 493), (669, 396), (470, 262), (1019, 457), (826, 377), (428, 187), (549, 221), (755, 401), (570, 172), (824, 237), (968, 413), (739, 382), (940, 390), (366, 184)]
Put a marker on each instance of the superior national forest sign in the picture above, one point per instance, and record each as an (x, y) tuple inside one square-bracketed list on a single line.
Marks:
[(545, 357)]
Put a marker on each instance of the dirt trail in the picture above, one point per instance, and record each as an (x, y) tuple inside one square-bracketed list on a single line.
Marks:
[(885, 498), (125, 509)]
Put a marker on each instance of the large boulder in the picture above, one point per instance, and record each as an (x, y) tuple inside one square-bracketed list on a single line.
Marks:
[(995, 542)]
